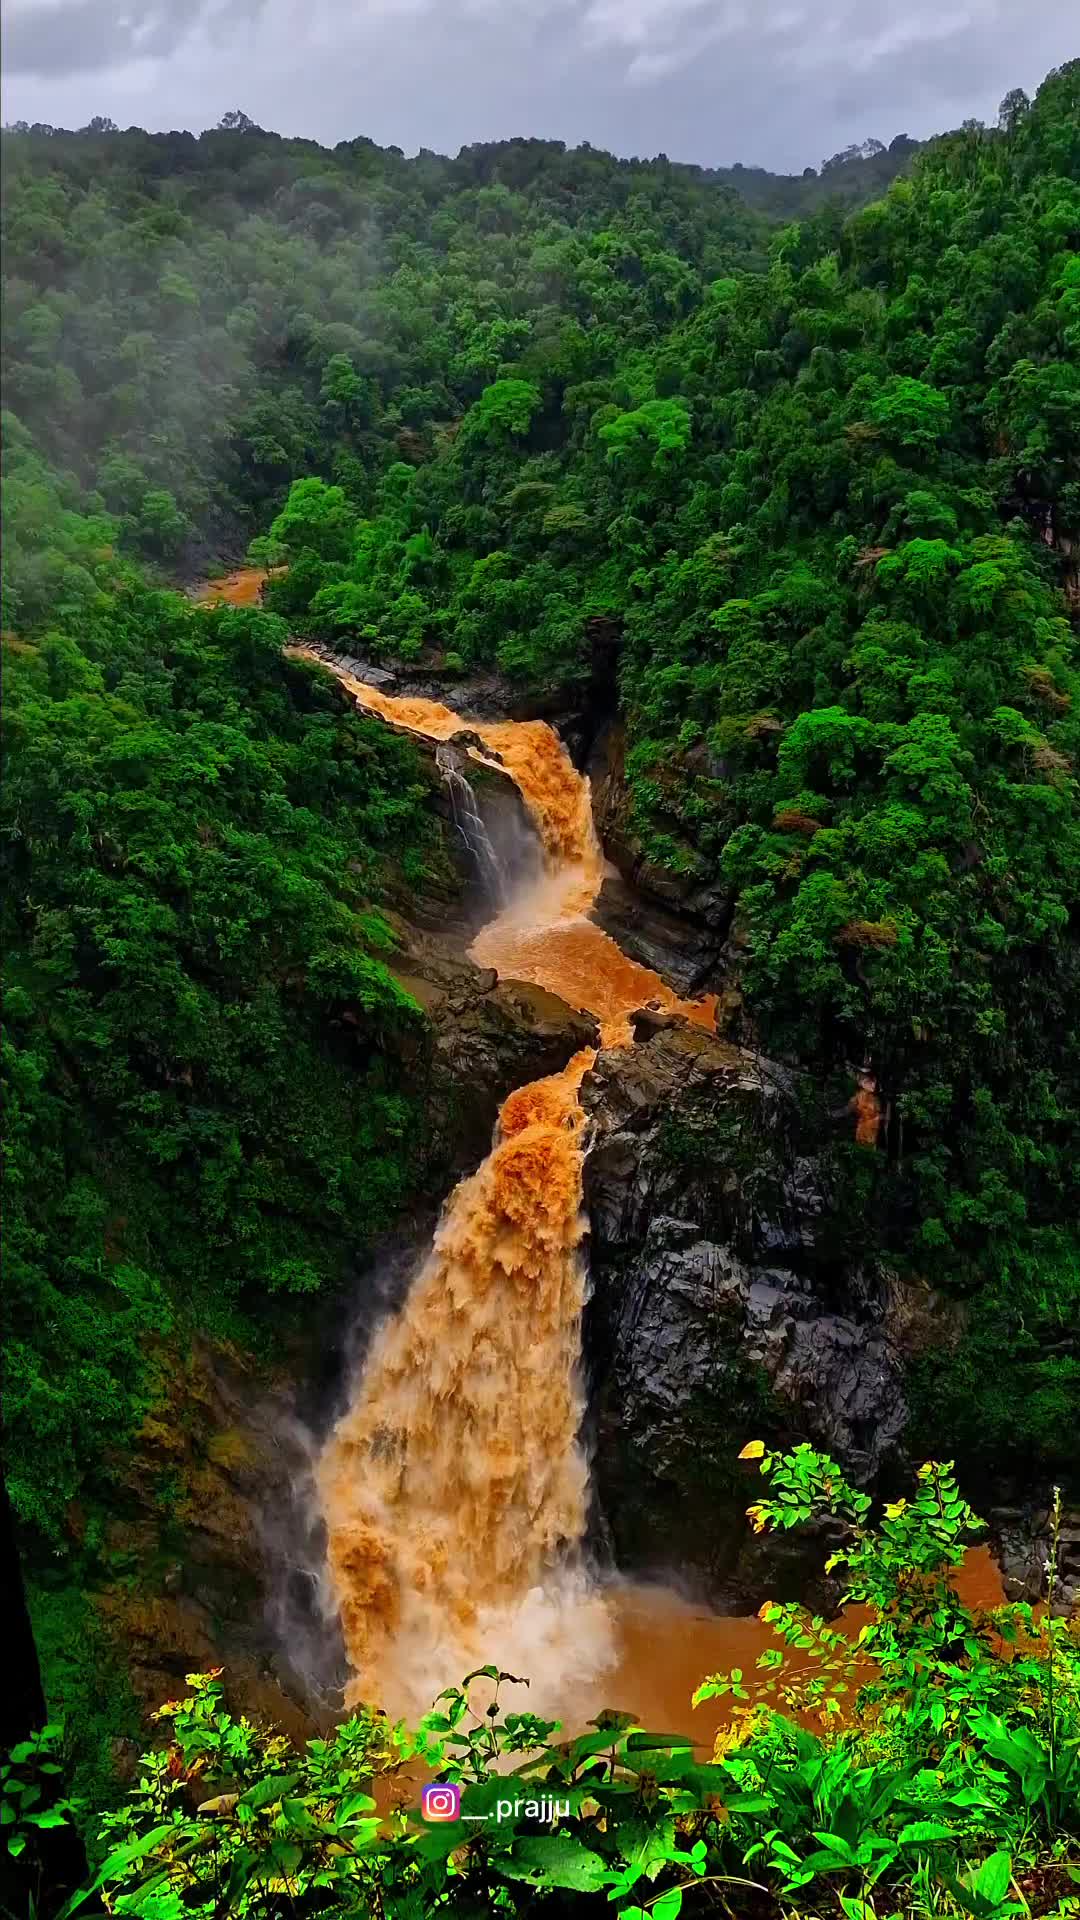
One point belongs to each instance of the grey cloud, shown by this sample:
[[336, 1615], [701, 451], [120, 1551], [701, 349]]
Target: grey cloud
[[778, 83], [81, 35], [45, 37]]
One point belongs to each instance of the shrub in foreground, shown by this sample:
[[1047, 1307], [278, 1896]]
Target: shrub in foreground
[[929, 1764]]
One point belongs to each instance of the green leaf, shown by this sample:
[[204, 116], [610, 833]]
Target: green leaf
[[702, 1776], [354, 1803], [921, 1831], [558, 1860], [589, 1744], [992, 1879], [241, 1868], [135, 1850], [835, 1843], [610, 1720], [299, 1816], [265, 1792], [493, 1673], [669, 1905]]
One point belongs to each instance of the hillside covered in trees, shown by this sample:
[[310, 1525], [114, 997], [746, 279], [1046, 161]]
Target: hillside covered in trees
[[831, 507], [191, 326], [193, 323], [806, 454]]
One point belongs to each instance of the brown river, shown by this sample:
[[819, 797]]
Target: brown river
[[454, 1488]]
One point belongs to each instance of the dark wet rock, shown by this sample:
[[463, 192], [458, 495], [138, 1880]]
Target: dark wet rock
[[456, 899], [1021, 1535], [725, 1307], [509, 852], [578, 710], [677, 923], [212, 1466], [484, 695], [381, 678], [487, 1037], [652, 1018], [679, 949]]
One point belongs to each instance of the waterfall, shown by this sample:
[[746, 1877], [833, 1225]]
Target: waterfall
[[469, 822], [454, 1488]]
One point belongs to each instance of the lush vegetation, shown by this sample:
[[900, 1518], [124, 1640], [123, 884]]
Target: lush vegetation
[[196, 830], [833, 508], [810, 467], [192, 323], [822, 479], [929, 1766], [206, 1103]]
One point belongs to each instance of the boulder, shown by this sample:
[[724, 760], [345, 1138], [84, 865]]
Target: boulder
[[1022, 1535], [381, 678]]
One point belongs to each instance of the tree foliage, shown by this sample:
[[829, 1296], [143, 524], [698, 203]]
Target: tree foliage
[[207, 1101], [808, 455]]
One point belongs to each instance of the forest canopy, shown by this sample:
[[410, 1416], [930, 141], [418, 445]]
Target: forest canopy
[[808, 454], [780, 478]]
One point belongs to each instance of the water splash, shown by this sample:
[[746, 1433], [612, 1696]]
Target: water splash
[[454, 1487]]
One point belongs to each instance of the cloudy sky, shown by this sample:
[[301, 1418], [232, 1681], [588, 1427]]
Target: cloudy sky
[[777, 83]]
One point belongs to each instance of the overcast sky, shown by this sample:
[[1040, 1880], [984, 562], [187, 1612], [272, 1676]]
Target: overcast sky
[[776, 83]]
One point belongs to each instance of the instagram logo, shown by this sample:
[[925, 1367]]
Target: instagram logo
[[440, 1801]]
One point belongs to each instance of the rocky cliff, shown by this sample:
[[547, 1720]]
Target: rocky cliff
[[457, 896], [726, 1303], [673, 922]]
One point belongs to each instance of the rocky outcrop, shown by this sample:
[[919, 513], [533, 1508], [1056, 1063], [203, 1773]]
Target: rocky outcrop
[[487, 1036], [579, 708], [458, 899], [486, 694], [210, 1470], [685, 953], [1022, 1536], [725, 1305], [672, 922]]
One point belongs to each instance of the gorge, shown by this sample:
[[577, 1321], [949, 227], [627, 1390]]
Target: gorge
[[454, 1488]]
